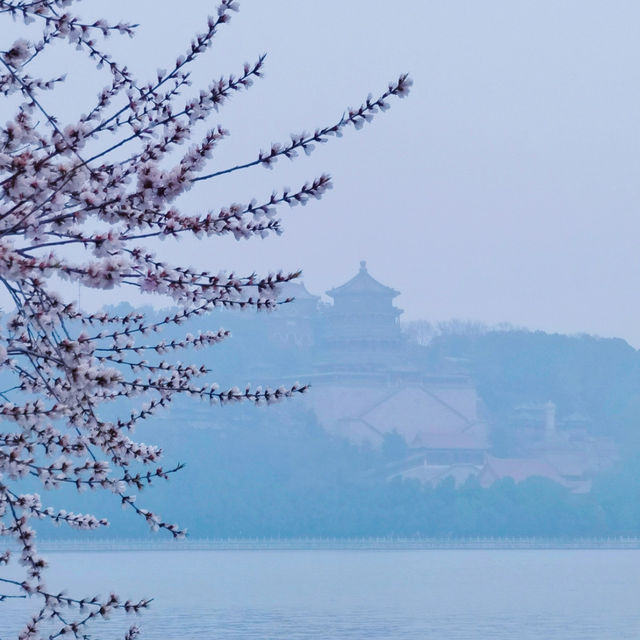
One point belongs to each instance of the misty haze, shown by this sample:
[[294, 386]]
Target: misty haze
[[410, 410]]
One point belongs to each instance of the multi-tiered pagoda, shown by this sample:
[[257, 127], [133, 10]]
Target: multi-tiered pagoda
[[370, 382]]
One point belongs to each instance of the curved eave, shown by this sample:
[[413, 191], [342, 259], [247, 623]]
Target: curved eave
[[363, 284]]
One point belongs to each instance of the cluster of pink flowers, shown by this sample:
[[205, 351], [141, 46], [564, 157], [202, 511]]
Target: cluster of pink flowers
[[84, 217]]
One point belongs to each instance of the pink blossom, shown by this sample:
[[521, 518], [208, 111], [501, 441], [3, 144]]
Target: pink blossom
[[79, 202]]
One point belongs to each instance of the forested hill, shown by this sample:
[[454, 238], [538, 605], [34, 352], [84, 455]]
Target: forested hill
[[595, 378], [598, 378], [274, 471]]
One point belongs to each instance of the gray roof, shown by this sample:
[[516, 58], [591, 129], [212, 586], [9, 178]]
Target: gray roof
[[363, 284], [296, 290]]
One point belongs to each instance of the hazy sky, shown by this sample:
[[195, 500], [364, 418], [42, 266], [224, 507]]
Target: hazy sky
[[505, 188]]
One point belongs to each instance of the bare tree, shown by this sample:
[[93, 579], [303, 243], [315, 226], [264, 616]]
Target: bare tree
[[420, 331], [80, 202]]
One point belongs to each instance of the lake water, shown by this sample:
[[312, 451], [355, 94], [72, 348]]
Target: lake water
[[408, 595]]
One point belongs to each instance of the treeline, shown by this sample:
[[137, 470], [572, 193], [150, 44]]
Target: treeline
[[596, 378]]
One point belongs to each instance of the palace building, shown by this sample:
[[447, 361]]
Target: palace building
[[372, 385], [370, 382]]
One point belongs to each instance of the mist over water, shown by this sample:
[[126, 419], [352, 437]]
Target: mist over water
[[349, 595]]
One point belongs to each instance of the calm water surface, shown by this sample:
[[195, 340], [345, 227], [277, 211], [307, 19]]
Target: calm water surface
[[408, 595]]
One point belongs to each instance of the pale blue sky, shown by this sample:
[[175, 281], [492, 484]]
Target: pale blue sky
[[505, 188]]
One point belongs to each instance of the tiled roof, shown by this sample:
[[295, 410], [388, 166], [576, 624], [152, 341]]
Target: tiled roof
[[363, 284], [470, 439], [296, 290], [520, 469]]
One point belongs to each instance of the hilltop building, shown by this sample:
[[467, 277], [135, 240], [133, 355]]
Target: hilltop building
[[373, 385], [371, 382], [294, 324], [361, 327]]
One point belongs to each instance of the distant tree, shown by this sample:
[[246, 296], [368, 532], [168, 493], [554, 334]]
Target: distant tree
[[458, 327], [423, 331], [420, 331], [80, 202], [394, 446]]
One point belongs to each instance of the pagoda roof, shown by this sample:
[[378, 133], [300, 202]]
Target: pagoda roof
[[296, 290], [363, 284]]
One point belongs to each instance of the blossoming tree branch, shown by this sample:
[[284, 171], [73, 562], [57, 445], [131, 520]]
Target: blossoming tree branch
[[81, 202]]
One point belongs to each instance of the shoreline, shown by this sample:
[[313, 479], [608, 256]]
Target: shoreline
[[339, 544]]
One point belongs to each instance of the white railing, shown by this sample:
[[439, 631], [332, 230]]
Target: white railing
[[235, 544]]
